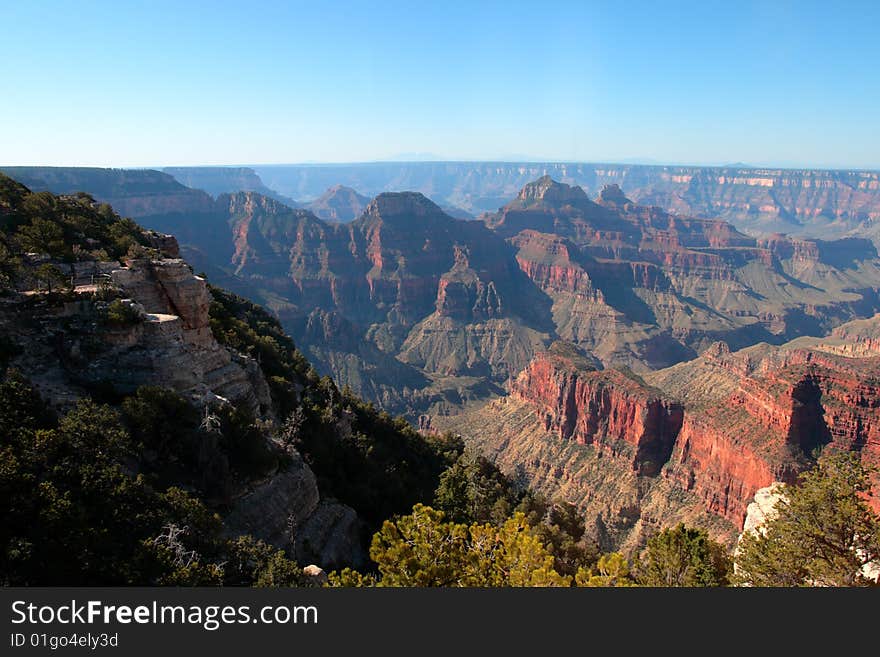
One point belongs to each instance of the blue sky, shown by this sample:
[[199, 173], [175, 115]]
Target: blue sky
[[127, 83]]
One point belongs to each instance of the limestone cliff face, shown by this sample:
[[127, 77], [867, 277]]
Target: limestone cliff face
[[622, 508], [763, 429], [552, 262], [719, 467], [771, 408]]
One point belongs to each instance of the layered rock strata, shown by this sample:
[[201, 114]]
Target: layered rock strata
[[696, 440]]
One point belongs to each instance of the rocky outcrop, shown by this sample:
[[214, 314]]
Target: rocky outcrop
[[331, 536], [273, 510], [174, 345], [166, 245], [545, 189], [763, 509], [287, 512], [316, 575], [168, 287], [166, 341], [463, 295], [467, 298]]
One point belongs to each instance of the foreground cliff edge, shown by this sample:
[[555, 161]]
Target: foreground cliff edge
[[175, 395]]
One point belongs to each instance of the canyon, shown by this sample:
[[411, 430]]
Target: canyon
[[423, 313], [647, 366]]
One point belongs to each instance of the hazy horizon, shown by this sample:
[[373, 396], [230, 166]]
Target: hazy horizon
[[392, 160]]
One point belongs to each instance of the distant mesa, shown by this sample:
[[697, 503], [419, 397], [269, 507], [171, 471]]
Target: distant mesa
[[409, 204], [613, 195], [547, 190], [339, 204]]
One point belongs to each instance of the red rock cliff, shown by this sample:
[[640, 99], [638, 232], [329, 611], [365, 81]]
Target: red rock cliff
[[602, 408], [758, 418]]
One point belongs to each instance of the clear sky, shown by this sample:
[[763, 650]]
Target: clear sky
[[125, 83]]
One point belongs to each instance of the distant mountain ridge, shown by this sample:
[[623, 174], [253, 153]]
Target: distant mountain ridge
[[818, 203], [225, 180], [810, 202]]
